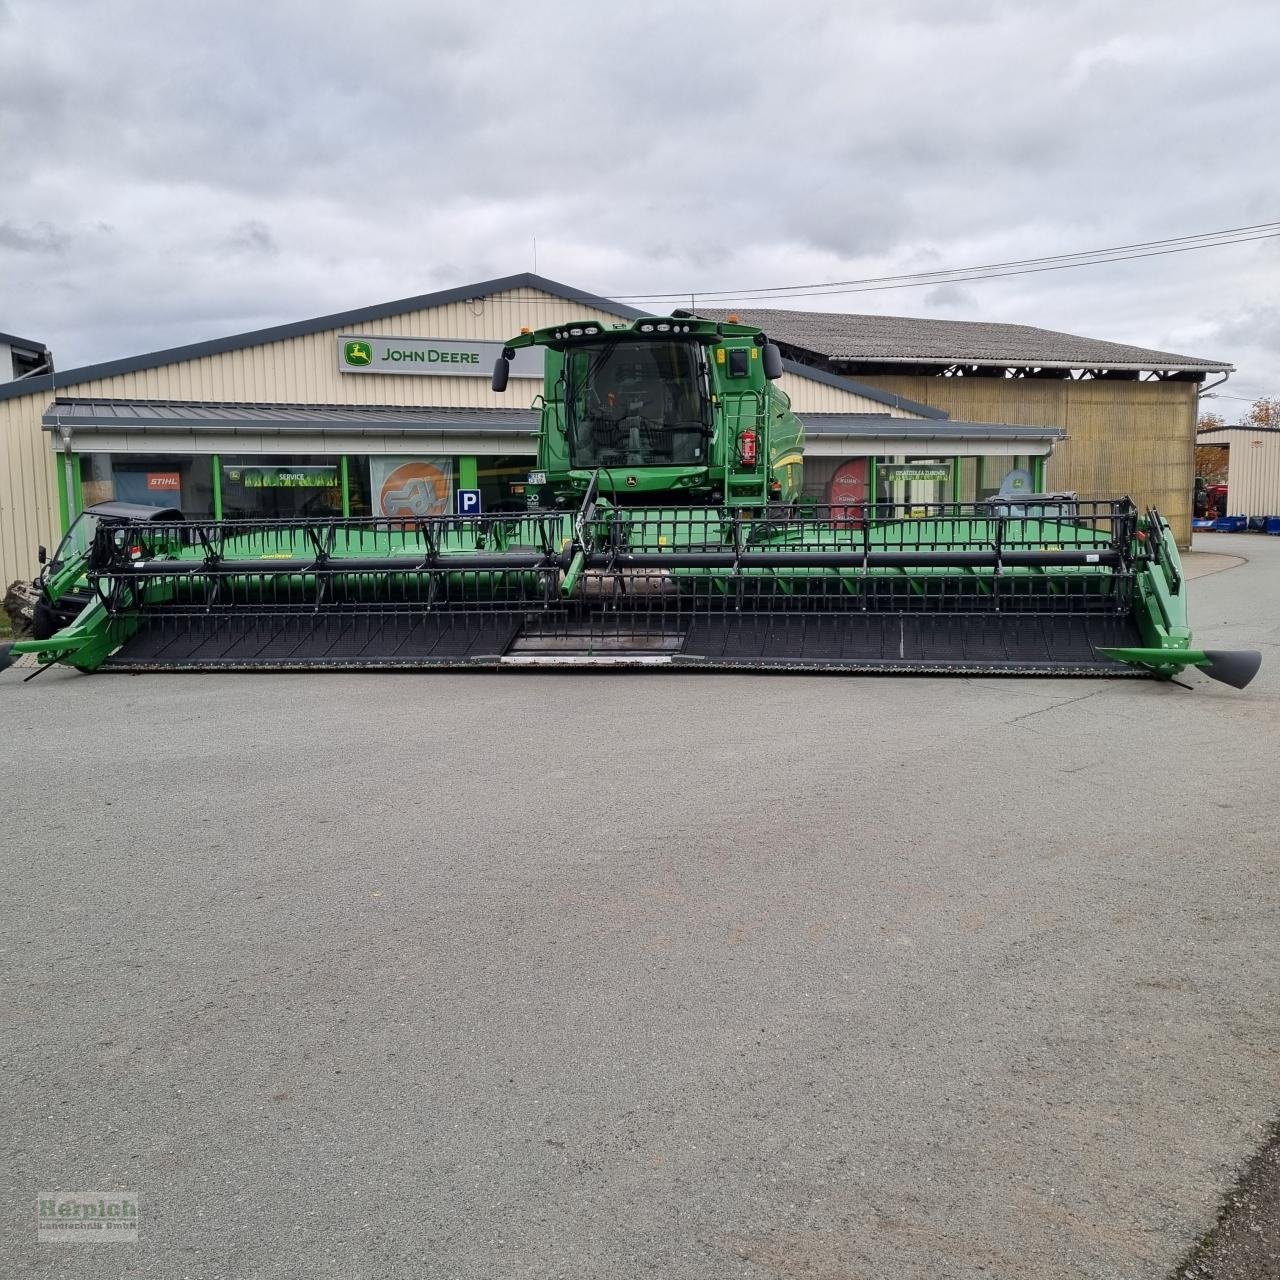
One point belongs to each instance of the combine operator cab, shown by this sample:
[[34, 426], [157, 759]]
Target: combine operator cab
[[667, 411], [636, 404]]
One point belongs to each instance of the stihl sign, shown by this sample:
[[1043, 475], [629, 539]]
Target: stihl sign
[[164, 481]]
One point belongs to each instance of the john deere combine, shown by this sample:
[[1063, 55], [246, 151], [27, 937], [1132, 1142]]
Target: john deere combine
[[668, 528]]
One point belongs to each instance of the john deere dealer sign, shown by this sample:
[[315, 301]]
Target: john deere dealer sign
[[442, 357]]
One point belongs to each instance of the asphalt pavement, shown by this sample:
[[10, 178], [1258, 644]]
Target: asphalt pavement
[[623, 975]]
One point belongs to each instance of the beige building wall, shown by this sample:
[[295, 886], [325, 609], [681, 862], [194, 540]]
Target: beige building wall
[[28, 487], [1253, 470], [810, 396], [304, 370], [1135, 438]]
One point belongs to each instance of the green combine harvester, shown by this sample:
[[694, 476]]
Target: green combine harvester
[[667, 528]]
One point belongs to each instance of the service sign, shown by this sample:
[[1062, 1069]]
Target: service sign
[[327, 477], [439, 357]]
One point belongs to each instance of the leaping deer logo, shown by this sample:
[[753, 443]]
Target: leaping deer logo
[[359, 353]]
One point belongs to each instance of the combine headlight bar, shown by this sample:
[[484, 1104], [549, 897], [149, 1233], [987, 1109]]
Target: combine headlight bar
[[577, 331], [663, 326]]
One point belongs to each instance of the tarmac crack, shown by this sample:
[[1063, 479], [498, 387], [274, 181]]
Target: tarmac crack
[[1039, 711]]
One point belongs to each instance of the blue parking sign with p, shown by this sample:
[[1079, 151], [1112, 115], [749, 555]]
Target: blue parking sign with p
[[468, 502]]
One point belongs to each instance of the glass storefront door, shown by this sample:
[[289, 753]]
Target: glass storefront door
[[1013, 474], [503, 481]]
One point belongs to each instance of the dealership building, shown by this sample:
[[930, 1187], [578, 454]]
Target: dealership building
[[388, 410]]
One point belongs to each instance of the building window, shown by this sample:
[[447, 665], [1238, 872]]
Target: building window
[[280, 488], [1014, 473], [915, 483], [503, 482], [149, 479], [818, 472], [401, 484]]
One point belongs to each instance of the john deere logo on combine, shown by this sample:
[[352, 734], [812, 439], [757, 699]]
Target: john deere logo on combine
[[358, 353]]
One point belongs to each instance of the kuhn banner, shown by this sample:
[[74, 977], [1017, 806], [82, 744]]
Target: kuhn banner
[[411, 486]]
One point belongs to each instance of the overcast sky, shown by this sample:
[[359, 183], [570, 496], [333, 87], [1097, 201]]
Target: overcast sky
[[178, 171]]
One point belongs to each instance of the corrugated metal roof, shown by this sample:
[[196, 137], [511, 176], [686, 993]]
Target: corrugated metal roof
[[165, 416], [919, 340], [1203, 437], [872, 426]]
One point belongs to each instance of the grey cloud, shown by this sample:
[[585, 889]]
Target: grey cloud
[[252, 236], [1255, 325], [951, 297], [442, 274], [262, 163], [1252, 337], [38, 238]]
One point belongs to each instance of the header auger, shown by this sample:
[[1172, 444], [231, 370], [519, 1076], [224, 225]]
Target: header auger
[[668, 531]]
